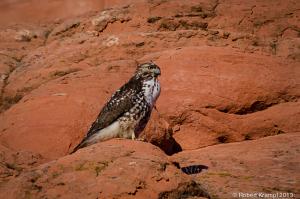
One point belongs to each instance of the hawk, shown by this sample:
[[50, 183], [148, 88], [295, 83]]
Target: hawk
[[126, 114]]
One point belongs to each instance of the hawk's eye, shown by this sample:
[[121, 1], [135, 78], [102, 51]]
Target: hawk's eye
[[150, 67]]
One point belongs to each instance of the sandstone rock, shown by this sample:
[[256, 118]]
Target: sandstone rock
[[159, 133], [230, 88], [101, 21], [13, 163], [111, 41], [25, 35], [229, 74], [267, 165], [58, 122], [46, 11], [116, 168], [222, 106], [67, 25]]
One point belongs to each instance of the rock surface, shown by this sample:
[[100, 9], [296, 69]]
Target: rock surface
[[112, 169], [268, 165], [230, 73]]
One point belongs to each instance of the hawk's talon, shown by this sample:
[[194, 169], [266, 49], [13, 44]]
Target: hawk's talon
[[141, 139]]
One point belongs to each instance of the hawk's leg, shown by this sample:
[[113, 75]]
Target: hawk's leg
[[132, 135]]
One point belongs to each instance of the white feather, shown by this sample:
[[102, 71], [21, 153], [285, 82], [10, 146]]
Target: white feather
[[151, 90], [112, 131]]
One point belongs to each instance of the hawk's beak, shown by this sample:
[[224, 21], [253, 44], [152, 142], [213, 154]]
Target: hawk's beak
[[157, 72]]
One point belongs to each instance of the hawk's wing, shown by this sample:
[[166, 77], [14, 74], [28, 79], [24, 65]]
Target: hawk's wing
[[121, 102]]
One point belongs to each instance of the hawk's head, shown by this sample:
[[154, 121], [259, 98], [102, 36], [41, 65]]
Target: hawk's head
[[149, 69]]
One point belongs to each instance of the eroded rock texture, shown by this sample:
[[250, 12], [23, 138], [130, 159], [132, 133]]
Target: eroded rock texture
[[230, 73]]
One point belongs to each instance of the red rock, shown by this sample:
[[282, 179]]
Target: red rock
[[56, 116], [194, 84], [229, 74], [116, 168], [267, 165], [159, 133], [36, 11], [12, 164]]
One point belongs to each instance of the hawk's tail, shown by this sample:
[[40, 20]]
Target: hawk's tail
[[82, 144]]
